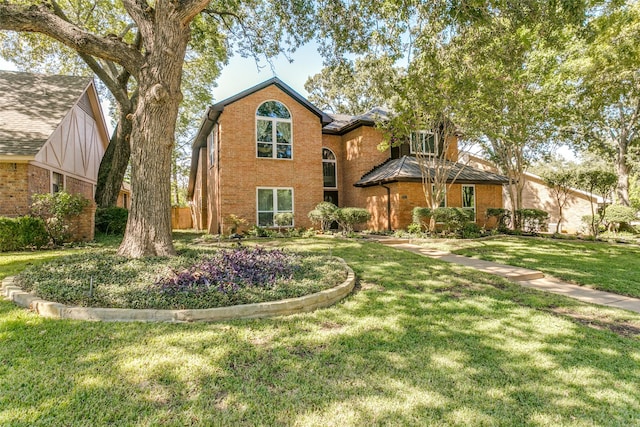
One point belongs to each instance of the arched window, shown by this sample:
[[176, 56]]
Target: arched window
[[273, 131], [329, 169]]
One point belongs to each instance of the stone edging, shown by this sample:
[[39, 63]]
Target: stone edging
[[245, 311]]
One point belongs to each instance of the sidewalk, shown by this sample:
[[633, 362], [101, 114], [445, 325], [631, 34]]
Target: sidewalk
[[525, 277]]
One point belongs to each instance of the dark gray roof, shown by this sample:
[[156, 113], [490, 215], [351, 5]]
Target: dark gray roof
[[32, 106], [343, 123], [407, 168]]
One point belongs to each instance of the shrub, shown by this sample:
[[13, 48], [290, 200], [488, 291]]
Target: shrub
[[532, 220], [112, 220], [454, 219], [235, 222], [414, 228], [421, 216], [347, 218], [470, 230], [502, 216], [323, 215], [615, 215], [21, 233], [283, 219], [57, 211]]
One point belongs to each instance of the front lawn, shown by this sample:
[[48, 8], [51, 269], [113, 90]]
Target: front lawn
[[420, 342], [604, 266]]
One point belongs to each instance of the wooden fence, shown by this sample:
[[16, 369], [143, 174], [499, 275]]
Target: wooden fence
[[181, 218]]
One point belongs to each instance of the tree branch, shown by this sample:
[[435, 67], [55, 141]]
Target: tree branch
[[188, 9], [41, 19]]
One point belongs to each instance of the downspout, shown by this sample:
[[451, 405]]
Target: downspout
[[388, 205]]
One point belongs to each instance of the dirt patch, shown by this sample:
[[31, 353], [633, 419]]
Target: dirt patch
[[624, 329]]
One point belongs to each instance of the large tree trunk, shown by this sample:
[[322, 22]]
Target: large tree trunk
[[114, 163], [622, 170], [149, 226]]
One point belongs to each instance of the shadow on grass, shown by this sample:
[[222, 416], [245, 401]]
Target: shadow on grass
[[423, 343]]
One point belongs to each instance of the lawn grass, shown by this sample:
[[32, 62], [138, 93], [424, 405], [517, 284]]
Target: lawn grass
[[604, 266], [419, 343]]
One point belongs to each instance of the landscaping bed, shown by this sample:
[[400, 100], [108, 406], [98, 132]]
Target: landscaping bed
[[195, 279]]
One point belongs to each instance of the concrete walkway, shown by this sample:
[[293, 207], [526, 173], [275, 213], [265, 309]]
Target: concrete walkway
[[523, 276]]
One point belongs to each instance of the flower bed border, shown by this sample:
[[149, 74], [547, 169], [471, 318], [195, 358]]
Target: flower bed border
[[284, 307]]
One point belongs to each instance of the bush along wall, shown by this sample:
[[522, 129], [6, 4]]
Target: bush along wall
[[532, 220], [112, 220], [24, 232]]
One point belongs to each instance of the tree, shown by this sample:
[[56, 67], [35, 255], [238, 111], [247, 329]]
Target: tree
[[560, 183], [604, 68], [601, 182], [165, 29]]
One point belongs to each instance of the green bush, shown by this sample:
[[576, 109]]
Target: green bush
[[502, 216], [615, 215], [347, 218], [323, 215], [454, 219], [57, 211], [414, 228], [283, 219], [532, 220], [470, 230], [111, 220], [22, 233], [421, 216]]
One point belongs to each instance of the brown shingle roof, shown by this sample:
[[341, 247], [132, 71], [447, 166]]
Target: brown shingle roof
[[407, 168], [32, 106]]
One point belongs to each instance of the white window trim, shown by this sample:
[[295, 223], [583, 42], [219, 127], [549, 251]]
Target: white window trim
[[64, 181], [423, 132], [275, 205], [445, 194], [335, 162], [274, 143], [475, 205]]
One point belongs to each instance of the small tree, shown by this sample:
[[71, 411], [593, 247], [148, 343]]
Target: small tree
[[323, 214], [602, 182], [619, 214], [560, 183], [349, 217], [235, 222], [283, 219], [57, 211]]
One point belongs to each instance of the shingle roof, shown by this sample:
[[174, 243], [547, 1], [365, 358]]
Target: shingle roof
[[343, 123], [31, 108], [407, 168]]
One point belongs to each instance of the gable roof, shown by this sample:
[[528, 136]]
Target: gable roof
[[343, 123], [32, 106], [406, 168]]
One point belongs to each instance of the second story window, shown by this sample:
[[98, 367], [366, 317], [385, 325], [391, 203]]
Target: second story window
[[425, 143], [329, 169], [273, 131]]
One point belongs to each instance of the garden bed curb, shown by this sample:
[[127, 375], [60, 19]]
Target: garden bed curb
[[245, 311]]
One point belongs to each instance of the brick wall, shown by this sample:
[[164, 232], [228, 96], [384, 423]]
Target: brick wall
[[241, 172], [83, 227], [334, 143], [39, 180], [14, 189]]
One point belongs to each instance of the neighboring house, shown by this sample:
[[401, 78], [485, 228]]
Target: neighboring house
[[52, 137], [537, 195], [268, 150]]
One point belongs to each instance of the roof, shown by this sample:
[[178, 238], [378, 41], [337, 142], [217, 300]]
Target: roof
[[407, 168], [32, 106], [343, 123]]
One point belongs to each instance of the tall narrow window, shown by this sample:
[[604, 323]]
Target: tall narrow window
[[211, 142], [273, 131], [469, 199], [272, 201], [329, 169], [57, 182]]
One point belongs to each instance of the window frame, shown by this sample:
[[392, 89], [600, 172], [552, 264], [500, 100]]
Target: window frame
[[335, 168], [274, 131], [275, 206], [424, 132], [61, 186], [211, 147], [475, 204]]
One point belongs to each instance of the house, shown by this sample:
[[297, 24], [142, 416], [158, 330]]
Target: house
[[52, 137], [537, 195], [267, 150]]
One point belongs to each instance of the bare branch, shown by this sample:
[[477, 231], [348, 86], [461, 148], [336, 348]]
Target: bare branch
[[41, 19]]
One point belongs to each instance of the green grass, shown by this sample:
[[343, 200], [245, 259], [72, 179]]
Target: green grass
[[419, 343], [604, 266]]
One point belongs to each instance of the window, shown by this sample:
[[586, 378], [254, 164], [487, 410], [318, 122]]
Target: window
[[57, 182], [423, 142], [272, 201], [329, 169], [273, 131], [469, 199], [443, 203], [211, 142]]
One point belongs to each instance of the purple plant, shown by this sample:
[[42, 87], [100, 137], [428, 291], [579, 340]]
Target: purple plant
[[230, 270]]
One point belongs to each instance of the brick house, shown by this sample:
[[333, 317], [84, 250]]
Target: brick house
[[268, 150], [52, 137]]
